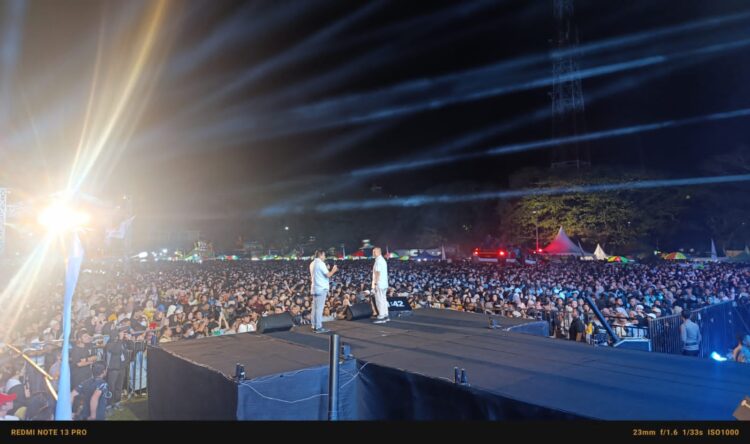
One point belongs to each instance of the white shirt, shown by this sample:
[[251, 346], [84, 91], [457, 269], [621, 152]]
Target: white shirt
[[245, 328], [319, 273], [381, 266]]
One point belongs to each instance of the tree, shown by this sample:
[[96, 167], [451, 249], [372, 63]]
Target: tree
[[718, 210], [615, 218]]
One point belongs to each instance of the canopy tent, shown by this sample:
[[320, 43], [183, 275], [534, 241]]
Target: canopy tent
[[618, 259], [599, 253], [563, 246], [677, 256]]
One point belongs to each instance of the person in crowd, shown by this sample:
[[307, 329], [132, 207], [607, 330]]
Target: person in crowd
[[690, 335], [165, 335], [737, 354], [744, 354], [6, 405], [89, 398], [577, 331], [82, 356], [117, 362], [246, 325]]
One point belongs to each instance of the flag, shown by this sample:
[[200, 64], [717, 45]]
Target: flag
[[63, 409], [714, 256], [121, 231]]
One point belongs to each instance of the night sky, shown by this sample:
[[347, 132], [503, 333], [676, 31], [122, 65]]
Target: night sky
[[248, 106]]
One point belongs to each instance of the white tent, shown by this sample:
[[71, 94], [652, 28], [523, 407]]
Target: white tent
[[599, 253]]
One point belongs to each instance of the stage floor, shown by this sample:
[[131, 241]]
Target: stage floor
[[575, 379]]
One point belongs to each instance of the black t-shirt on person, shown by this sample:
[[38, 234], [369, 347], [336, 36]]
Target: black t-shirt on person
[[79, 374], [118, 354], [86, 390]]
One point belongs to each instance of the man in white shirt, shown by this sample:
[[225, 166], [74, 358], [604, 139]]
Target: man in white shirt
[[246, 326], [319, 286], [380, 285]]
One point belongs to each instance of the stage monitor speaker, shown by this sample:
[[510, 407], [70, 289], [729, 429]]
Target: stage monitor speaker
[[398, 303], [743, 410], [358, 311], [275, 322]]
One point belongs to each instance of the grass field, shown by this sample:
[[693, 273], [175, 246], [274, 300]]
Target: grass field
[[135, 409]]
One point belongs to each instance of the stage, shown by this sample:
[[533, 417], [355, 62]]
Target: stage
[[404, 370]]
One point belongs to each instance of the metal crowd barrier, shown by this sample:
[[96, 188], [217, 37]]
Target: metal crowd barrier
[[42, 394], [719, 325], [135, 381]]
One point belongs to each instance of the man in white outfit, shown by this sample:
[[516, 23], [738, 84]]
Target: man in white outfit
[[319, 286], [380, 285]]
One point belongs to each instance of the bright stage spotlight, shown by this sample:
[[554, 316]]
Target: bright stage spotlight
[[60, 218]]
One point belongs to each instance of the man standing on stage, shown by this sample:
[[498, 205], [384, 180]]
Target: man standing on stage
[[380, 285], [319, 280]]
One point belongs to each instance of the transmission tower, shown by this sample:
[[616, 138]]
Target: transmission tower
[[567, 95]]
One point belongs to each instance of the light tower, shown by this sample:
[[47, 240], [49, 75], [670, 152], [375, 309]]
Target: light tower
[[3, 217], [7, 212], [567, 95]]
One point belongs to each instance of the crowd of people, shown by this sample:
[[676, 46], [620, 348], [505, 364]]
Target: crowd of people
[[165, 302]]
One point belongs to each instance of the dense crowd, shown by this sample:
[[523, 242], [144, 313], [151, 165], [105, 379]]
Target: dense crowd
[[164, 302]]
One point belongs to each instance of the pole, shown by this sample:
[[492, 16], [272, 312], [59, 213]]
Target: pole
[[598, 314], [63, 409], [140, 365], [333, 378]]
